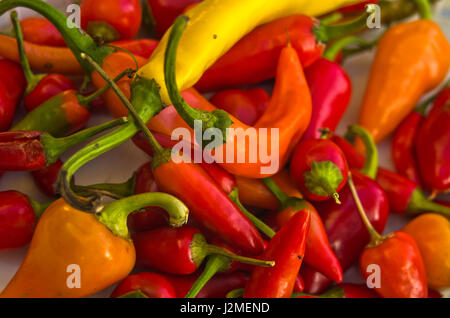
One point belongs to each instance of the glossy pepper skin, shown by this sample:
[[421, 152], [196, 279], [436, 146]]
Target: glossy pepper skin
[[433, 145], [46, 177], [111, 20], [331, 90], [165, 12], [41, 31], [319, 168], [7, 108], [287, 248], [345, 290], [21, 150], [432, 235], [12, 77], [77, 230], [246, 105], [151, 285], [411, 59], [17, 220]]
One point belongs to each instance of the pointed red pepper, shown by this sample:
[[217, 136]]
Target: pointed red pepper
[[144, 285]]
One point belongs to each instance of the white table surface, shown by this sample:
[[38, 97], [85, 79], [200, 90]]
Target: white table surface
[[118, 164]]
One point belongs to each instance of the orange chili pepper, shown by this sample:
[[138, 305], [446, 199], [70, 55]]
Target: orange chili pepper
[[412, 58], [98, 244], [432, 235]]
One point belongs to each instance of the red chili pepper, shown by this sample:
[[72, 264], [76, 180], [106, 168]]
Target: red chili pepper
[[357, 7], [331, 90], [33, 150], [152, 217], [402, 271], [179, 251], [164, 12], [46, 177], [254, 58], [287, 249], [7, 108], [144, 285], [246, 105], [40, 88], [141, 47], [217, 287], [111, 20], [319, 168], [318, 251], [11, 75], [18, 216], [404, 195], [344, 290], [433, 145], [346, 232], [41, 31]]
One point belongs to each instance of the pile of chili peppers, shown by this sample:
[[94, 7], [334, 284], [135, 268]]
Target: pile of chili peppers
[[214, 228]]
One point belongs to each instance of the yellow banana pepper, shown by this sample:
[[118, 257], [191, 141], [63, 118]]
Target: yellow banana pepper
[[215, 26]]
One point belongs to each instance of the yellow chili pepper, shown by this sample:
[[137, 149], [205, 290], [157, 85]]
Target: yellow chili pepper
[[215, 26]]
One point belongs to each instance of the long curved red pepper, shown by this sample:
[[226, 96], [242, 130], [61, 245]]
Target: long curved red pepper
[[144, 285], [287, 249]]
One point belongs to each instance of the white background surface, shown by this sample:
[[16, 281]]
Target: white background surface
[[118, 164]]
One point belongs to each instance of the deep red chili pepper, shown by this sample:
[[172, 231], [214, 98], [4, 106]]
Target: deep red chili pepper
[[41, 31], [11, 75], [178, 250], [319, 168], [141, 47], [144, 285], [331, 90], [346, 231], [404, 195], [357, 7], [152, 217], [254, 58], [433, 145], [318, 251], [217, 287], [18, 216], [7, 108], [40, 88], [344, 290], [164, 12], [287, 249], [46, 177], [111, 20], [246, 105], [434, 294], [33, 150]]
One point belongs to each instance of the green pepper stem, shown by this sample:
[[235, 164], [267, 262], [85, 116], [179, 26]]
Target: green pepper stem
[[236, 293], [419, 203], [375, 237], [39, 208], [327, 33], [55, 147], [332, 18], [370, 168], [32, 79], [112, 190], [76, 39], [277, 192], [335, 48], [424, 9], [334, 292], [422, 108], [215, 264], [260, 225], [215, 250], [114, 215], [216, 119]]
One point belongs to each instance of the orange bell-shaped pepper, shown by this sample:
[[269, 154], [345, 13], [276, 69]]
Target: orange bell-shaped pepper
[[68, 241], [412, 58]]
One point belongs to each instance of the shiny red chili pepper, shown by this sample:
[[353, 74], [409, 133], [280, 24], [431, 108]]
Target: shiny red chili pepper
[[164, 12], [246, 105], [18, 216], [46, 177], [404, 195], [40, 88], [344, 290], [287, 249], [217, 287], [319, 168], [357, 7], [144, 285], [141, 47], [331, 90], [254, 58], [111, 20], [178, 250], [7, 108], [11, 75], [41, 31], [433, 145], [152, 217]]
